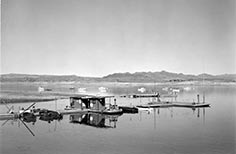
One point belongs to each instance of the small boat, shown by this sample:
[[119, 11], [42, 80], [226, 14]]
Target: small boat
[[28, 117], [127, 109], [50, 114]]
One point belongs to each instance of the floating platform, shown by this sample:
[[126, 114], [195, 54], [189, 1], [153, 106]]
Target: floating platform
[[148, 95], [140, 95], [173, 104], [144, 95], [157, 105], [190, 105]]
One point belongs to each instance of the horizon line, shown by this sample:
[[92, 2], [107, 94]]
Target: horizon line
[[117, 73]]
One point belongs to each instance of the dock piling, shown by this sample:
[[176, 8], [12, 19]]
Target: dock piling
[[203, 98], [198, 101]]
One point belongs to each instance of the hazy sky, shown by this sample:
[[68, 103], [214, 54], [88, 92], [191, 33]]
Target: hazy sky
[[99, 37]]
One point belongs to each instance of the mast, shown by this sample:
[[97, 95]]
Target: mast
[[203, 82]]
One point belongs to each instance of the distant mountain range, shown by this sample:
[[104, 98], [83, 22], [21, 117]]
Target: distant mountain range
[[162, 76]]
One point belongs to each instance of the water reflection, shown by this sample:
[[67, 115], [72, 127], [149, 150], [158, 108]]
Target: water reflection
[[98, 120], [163, 130], [95, 120], [172, 113], [30, 118]]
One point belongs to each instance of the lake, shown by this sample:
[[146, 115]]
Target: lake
[[160, 130]]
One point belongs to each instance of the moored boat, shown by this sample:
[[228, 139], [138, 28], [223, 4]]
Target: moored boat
[[127, 109]]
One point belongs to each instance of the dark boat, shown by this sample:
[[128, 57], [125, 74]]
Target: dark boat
[[49, 115], [127, 109], [28, 117]]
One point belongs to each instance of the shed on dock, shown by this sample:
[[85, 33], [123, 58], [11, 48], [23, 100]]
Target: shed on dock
[[92, 103]]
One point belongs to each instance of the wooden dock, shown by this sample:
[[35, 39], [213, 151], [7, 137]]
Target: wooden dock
[[148, 95], [8, 116], [156, 105], [190, 105], [140, 95], [173, 104]]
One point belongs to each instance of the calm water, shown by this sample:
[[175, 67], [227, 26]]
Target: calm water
[[165, 130]]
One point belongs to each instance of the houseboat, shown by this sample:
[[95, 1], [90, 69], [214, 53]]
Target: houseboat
[[96, 104]]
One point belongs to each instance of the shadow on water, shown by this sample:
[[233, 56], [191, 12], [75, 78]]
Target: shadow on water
[[29, 118], [95, 120]]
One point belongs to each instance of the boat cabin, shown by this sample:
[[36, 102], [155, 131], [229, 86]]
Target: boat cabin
[[92, 103]]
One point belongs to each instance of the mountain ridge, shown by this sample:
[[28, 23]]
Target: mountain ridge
[[162, 76]]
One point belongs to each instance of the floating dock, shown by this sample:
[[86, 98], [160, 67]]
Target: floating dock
[[190, 105], [156, 105], [173, 104], [148, 95], [176, 104], [140, 95], [7, 116]]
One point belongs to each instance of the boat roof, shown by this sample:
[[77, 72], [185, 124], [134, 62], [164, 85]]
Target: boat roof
[[90, 97]]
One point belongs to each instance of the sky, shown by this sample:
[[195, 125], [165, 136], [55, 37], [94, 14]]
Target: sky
[[100, 37]]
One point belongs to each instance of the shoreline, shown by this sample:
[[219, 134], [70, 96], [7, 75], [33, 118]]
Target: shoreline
[[25, 97], [24, 100], [20, 92], [195, 83]]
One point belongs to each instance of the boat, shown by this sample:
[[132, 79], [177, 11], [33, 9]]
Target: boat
[[127, 109], [28, 117], [95, 104], [50, 114]]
